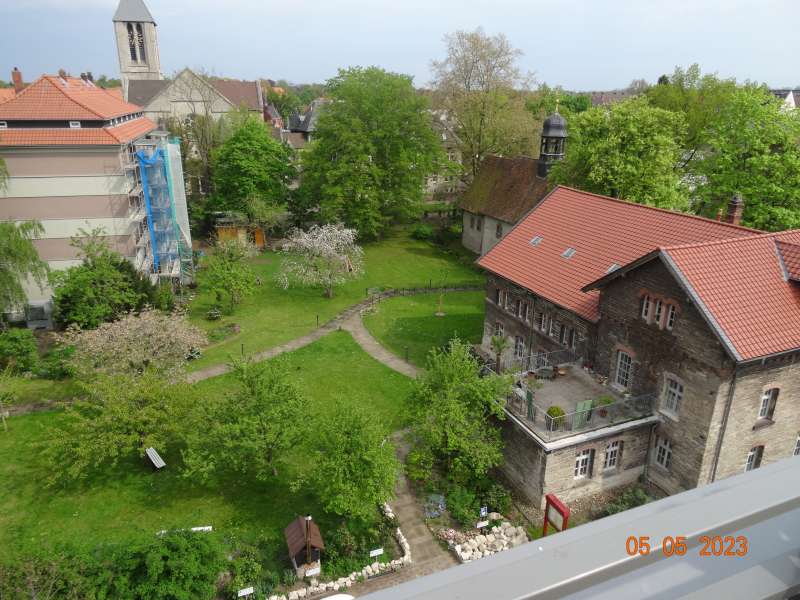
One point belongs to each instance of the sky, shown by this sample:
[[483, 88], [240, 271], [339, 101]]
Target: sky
[[579, 45]]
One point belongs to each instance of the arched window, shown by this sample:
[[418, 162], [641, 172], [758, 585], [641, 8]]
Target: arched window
[[140, 40], [132, 42]]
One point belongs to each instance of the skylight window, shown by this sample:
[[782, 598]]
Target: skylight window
[[612, 268], [568, 252], [3, 125], [537, 240], [74, 124]]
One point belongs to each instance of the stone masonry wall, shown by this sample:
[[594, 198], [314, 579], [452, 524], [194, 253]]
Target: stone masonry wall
[[524, 460], [690, 353]]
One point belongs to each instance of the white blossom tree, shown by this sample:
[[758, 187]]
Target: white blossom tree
[[324, 256], [150, 341]]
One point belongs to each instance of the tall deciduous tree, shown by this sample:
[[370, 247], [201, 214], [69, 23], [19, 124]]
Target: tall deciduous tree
[[372, 150], [452, 411], [251, 164], [117, 417], [248, 432], [18, 260], [226, 272], [479, 86], [751, 146], [354, 467], [629, 150], [324, 256]]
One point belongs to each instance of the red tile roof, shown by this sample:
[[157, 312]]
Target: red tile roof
[[790, 255], [603, 231], [741, 284], [105, 136], [239, 92], [53, 98], [6, 94]]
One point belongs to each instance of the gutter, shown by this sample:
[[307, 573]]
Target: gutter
[[723, 425]]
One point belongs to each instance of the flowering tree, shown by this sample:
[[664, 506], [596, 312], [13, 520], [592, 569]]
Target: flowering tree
[[150, 341], [326, 256]]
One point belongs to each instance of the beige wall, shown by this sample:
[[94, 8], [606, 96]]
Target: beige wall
[[63, 207], [22, 162], [58, 249], [483, 240], [471, 238], [151, 67]]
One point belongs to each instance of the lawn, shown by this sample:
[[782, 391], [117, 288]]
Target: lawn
[[409, 322], [41, 390], [131, 500], [273, 315]]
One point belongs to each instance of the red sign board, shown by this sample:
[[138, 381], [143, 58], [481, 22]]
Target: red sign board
[[556, 514]]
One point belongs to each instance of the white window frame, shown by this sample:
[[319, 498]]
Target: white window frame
[[498, 297], [524, 310], [499, 329], [663, 454], [498, 231], [582, 464], [519, 347], [754, 458], [672, 314], [769, 401], [568, 253], [672, 396], [3, 124], [611, 459], [626, 381], [541, 321], [536, 240], [74, 124], [658, 311], [645, 307], [555, 334]]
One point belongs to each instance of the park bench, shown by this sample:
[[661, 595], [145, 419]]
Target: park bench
[[155, 459]]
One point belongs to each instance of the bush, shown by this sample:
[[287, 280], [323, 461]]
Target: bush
[[630, 498], [18, 350], [56, 365], [557, 414], [419, 465], [245, 570], [423, 231], [164, 299], [497, 498], [463, 506]]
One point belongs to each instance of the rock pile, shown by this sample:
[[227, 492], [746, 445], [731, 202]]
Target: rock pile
[[376, 568], [500, 537]]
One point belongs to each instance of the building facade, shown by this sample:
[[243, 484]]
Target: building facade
[[80, 159], [628, 320]]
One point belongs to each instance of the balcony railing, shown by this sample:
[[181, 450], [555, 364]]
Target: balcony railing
[[588, 417]]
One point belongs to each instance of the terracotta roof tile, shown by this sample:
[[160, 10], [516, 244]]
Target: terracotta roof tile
[[790, 255], [603, 231], [106, 136], [51, 98], [505, 188], [6, 94]]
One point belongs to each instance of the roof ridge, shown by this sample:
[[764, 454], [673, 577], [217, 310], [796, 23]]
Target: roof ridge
[[656, 208], [50, 78], [762, 235]]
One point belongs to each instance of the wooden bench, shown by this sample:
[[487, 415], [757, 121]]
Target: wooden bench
[[155, 459]]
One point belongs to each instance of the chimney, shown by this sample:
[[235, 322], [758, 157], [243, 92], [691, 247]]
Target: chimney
[[735, 208], [62, 73], [16, 77], [83, 76], [89, 76]]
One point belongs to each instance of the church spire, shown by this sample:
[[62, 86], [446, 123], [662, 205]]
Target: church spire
[[137, 45], [554, 136]]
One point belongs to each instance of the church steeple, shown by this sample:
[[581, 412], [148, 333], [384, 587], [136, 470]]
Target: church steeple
[[554, 137], [137, 45]]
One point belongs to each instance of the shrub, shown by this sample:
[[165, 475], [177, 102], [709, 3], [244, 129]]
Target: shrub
[[604, 400], [630, 498], [246, 570], [18, 350], [497, 498], [56, 365], [557, 414], [422, 231], [163, 298], [419, 465], [463, 505], [289, 577]]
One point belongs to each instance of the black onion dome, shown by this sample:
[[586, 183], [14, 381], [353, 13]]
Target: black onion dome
[[555, 126]]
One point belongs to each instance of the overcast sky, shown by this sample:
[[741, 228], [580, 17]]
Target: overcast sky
[[580, 44]]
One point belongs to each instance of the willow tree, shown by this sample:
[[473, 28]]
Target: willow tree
[[18, 261]]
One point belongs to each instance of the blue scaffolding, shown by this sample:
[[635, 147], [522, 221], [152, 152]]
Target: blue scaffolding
[[162, 221]]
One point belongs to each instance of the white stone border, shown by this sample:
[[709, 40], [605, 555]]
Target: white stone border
[[501, 537], [376, 568]]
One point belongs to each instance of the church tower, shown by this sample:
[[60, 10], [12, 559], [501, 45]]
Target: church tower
[[554, 137], [137, 45]]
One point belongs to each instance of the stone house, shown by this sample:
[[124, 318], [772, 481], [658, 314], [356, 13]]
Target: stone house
[[445, 186], [672, 338], [505, 189]]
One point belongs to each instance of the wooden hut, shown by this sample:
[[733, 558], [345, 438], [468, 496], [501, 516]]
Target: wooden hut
[[304, 542]]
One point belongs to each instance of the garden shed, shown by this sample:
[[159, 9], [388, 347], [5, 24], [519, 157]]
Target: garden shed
[[304, 542]]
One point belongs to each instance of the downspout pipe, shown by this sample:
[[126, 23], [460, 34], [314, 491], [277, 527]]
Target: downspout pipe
[[723, 425]]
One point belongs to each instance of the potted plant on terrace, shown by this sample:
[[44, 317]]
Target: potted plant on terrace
[[556, 414], [601, 403]]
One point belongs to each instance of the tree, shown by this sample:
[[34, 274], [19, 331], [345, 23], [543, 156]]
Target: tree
[[18, 260], [354, 467], [119, 416], [18, 350], [453, 410], [373, 149], [107, 82], [251, 165], [629, 150], [499, 345], [101, 289], [546, 100], [150, 341], [227, 272], [751, 146], [478, 85], [324, 256], [251, 431]]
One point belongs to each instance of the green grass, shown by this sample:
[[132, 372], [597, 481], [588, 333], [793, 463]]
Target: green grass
[[273, 315], [409, 322], [130, 500], [31, 391]]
